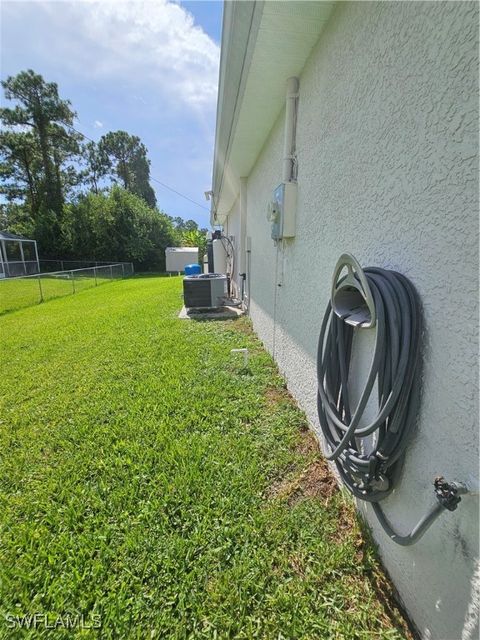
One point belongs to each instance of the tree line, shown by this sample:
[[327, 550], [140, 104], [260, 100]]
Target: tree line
[[78, 198]]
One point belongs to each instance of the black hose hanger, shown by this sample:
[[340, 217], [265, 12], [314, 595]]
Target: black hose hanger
[[387, 300]]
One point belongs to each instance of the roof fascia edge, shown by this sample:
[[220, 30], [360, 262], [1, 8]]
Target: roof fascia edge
[[257, 7]]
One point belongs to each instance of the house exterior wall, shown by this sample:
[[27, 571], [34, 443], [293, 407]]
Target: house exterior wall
[[387, 170]]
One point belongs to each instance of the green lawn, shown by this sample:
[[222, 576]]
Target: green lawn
[[149, 480], [17, 293]]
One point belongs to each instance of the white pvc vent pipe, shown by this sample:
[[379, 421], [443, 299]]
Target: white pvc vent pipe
[[289, 147]]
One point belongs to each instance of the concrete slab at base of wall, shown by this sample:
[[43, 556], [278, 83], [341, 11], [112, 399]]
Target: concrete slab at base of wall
[[222, 313]]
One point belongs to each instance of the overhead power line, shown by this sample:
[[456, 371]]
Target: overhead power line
[[178, 193], [166, 186]]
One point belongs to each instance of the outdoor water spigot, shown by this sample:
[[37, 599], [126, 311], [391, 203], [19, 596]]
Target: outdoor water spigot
[[351, 297]]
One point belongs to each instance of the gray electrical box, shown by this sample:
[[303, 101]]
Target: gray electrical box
[[282, 211]]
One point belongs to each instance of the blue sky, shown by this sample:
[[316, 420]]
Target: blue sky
[[147, 67]]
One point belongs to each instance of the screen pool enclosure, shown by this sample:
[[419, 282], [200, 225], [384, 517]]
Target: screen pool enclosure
[[18, 255]]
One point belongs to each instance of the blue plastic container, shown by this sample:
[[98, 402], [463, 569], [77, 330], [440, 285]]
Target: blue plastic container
[[192, 269]]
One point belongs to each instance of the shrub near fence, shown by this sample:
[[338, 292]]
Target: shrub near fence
[[25, 291]]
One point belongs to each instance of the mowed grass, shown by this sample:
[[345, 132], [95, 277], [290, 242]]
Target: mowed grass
[[148, 479], [17, 293]]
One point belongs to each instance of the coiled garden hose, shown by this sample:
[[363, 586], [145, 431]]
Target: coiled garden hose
[[370, 468]]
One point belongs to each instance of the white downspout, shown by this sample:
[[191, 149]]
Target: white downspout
[[289, 176], [242, 249], [243, 223], [289, 149]]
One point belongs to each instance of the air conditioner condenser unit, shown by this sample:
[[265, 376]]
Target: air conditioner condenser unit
[[206, 290]]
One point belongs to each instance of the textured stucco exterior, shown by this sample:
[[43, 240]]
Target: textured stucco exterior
[[387, 141]]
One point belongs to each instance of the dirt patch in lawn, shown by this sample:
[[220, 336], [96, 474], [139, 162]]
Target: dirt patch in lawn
[[315, 481], [274, 395], [347, 526], [308, 444], [242, 325]]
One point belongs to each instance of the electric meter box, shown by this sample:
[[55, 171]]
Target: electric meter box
[[283, 211]]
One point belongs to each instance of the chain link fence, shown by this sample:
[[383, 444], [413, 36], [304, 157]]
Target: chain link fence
[[50, 265], [25, 291], [15, 268]]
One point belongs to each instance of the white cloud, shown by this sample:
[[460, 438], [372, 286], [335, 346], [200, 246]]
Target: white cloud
[[97, 124], [144, 67], [154, 40]]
